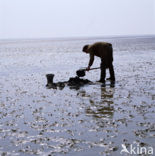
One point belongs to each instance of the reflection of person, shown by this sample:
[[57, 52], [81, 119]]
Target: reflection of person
[[103, 109], [107, 94], [105, 52], [107, 100]]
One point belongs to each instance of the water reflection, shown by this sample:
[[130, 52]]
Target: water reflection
[[104, 107]]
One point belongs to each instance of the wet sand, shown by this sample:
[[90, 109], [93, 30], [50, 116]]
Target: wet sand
[[91, 120]]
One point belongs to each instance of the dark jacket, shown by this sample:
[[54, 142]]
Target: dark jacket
[[103, 50]]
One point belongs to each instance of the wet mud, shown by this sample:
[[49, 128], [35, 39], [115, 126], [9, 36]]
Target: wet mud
[[91, 120]]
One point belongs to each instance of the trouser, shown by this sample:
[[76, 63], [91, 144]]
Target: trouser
[[104, 66]]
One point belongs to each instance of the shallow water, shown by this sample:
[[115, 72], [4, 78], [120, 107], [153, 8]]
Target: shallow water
[[92, 120]]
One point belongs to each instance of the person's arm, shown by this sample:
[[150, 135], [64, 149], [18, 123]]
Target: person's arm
[[91, 60]]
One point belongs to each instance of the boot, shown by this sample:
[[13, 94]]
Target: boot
[[101, 81], [111, 79], [102, 77]]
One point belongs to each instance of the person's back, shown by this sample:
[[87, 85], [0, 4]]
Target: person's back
[[103, 50], [99, 48]]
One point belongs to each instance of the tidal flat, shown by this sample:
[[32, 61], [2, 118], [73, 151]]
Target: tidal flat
[[91, 120]]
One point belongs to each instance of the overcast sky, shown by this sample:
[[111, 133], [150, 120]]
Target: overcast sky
[[75, 18]]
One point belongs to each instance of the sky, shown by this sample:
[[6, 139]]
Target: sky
[[75, 18]]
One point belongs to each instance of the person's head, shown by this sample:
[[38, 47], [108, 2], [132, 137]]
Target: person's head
[[85, 48]]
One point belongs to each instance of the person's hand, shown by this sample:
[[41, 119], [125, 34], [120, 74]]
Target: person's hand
[[88, 68]]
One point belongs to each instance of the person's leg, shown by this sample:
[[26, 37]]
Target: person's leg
[[110, 65], [112, 73], [103, 71]]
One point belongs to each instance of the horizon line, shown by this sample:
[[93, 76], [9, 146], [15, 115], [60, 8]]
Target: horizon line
[[77, 38]]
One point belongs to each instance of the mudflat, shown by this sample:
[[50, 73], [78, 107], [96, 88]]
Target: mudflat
[[91, 120]]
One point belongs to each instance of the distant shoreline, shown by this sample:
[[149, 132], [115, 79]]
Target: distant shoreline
[[21, 40]]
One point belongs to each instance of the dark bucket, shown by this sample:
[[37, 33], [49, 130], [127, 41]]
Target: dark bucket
[[50, 78], [80, 73]]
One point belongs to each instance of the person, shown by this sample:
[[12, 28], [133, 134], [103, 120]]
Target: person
[[103, 50]]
